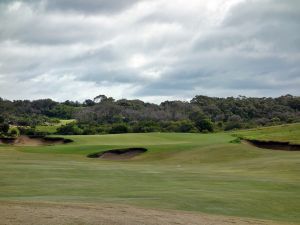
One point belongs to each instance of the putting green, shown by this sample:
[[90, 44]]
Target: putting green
[[192, 172]]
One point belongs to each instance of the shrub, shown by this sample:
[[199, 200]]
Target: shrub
[[14, 132], [233, 125], [186, 126], [202, 122], [146, 127], [236, 141], [89, 131], [119, 129], [4, 128], [70, 129], [30, 131]]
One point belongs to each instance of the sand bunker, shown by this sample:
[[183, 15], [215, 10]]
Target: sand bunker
[[118, 154], [274, 145], [34, 141]]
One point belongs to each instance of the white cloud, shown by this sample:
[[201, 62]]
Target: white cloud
[[137, 61]]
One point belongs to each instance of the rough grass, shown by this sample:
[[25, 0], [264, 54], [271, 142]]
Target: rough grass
[[287, 132], [52, 128], [193, 172]]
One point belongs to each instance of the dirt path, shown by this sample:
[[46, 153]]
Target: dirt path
[[18, 213]]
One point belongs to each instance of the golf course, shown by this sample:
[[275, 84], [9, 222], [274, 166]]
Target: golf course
[[179, 178]]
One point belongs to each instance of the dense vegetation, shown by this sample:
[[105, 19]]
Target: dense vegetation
[[107, 115]]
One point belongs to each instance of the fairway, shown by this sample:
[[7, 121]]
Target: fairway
[[199, 173]]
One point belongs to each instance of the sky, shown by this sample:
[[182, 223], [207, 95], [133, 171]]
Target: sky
[[153, 50]]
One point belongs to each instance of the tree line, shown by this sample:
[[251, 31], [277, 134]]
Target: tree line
[[104, 114]]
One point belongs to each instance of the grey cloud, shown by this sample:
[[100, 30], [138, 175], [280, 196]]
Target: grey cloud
[[90, 6], [162, 50], [274, 11], [270, 21], [81, 6], [235, 73]]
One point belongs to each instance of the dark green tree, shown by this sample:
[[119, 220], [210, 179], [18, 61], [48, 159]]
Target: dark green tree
[[4, 128], [202, 122], [119, 129], [89, 102], [69, 129]]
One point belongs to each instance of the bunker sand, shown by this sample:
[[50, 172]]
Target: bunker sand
[[36, 213], [119, 154], [34, 141], [273, 145]]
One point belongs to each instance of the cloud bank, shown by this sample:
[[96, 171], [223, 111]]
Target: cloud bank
[[152, 50]]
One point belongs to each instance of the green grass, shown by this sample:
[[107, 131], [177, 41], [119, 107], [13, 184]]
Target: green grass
[[194, 172], [52, 128], [287, 132]]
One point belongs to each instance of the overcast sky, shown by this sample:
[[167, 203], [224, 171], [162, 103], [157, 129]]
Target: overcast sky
[[153, 50]]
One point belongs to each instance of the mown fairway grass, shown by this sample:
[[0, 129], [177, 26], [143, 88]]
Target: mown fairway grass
[[194, 172]]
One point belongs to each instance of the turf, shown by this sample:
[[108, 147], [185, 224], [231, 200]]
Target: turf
[[193, 172], [286, 132]]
